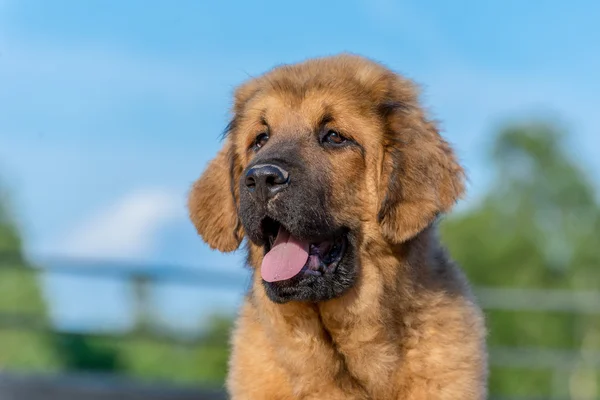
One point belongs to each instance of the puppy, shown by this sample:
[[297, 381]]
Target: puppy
[[334, 175]]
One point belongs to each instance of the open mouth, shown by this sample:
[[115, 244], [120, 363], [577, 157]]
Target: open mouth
[[287, 256]]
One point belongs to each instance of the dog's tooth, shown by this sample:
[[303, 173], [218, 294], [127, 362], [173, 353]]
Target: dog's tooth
[[314, 249], [313, 262]]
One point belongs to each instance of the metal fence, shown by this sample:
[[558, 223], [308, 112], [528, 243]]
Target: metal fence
[[57, 384]]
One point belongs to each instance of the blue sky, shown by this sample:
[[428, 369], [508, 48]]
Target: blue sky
[[110, 109]]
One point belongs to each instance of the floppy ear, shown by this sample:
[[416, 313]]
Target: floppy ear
[[420, 176], [212, 202]]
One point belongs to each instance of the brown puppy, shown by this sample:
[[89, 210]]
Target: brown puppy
[[335, 176]]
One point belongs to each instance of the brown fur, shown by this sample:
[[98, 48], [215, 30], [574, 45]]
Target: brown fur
[[408, 328]]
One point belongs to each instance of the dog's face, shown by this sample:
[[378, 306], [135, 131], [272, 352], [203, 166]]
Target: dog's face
[[320, 159]]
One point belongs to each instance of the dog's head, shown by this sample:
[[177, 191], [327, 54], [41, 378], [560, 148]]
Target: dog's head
[[319, 155]]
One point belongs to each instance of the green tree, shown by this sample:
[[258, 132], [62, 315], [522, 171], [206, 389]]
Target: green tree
[[20, 299], [538, 227], [202, 361]]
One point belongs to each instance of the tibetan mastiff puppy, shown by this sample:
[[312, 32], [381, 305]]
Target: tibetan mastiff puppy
[[335, 177]]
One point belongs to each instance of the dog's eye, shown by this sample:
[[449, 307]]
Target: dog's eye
[[334, 138], [260, 141]]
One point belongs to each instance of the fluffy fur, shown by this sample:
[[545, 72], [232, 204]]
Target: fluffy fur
[[402, 323]]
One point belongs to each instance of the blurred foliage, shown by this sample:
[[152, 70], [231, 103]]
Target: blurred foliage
[[10, 240], [27, 351], [20, 298], [147, 355], [81, 353], [538, 227], [202, 361]]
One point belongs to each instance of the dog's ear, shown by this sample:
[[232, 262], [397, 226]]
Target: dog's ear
[[421, 177], [213, 202], [214, 199]]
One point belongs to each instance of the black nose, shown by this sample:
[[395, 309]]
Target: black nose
[[264, 180]]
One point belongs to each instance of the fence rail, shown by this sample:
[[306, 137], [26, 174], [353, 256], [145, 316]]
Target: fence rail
[[511, 299]]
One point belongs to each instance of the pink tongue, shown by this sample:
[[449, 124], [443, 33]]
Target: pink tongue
[[286, 258]]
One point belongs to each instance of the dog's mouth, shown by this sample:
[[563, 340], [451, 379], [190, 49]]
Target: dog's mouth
[[287, 256]]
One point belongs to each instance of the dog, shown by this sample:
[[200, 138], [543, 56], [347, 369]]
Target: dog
[[335, 177]]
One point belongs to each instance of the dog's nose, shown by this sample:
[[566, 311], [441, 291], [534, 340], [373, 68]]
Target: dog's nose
[[265, 180]]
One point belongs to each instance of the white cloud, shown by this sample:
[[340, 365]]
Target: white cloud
[[127, 229]]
